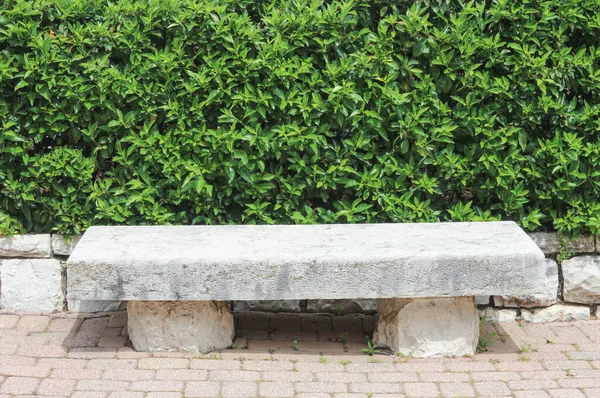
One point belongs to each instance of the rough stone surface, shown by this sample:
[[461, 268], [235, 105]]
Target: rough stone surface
[[363, 306], [31, 285], [267, 305], [557, 313], [549, 243], [93, 306], [62, 246], [292, 262], [31, 245], [482, 300], [425, 328], [496, 315], [549, 297], [198, 326], [582, 279]]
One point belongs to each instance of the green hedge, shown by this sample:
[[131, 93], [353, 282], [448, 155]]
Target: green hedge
[[299, 111]]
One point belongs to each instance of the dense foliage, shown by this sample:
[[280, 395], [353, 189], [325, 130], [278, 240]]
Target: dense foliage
[[299, 111]]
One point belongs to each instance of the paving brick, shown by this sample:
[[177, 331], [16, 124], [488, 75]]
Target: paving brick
[[566, 393], [56, 387], [492, 389], [287, 376], [316, 323], [62, 363], [445, 377], [181, 374], [313, 395], [19, 385], [233, 375], [456, 389], [267, 365], [566, 365], [342, 377], [208, 389], [157, 385], [33, 323], [89, 394], [495, 376], [371, 367], [421, 390], [101, 385], [112, 341], [584, 355], [128, 374], [79, 374], [519, 366], [579, 383], [8, 321], [375, 387], [89, 333], [538, 384], [531, 394], [163, 363], [24, 371], [211, 364], [64, 325], [291, 335], [546, 374], [319, 367], [585, 373], [413, 366], [164, 394], [470, 367], [240, 389], [592, 392], [6, 360], [112, 364], [268, 389], [351, 395], [320, 387], [398, 377], [42, 351], [126, 394], [92, 353], [118, 320]]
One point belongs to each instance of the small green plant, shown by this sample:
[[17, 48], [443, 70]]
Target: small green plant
[[374, 360], [549, 341], [295, 345], [564, 252], [345, 362], [322, 360], [494, 361], [486, 339], [525, 348], [523, 358], [371, 349], [271, 350]]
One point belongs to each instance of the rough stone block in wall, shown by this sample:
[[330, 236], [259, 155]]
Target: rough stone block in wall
[[496, 315], [31, 285], [549, 243], [340, 307], [63, 246], [93, 306], [549, 297], [557, 313], [32, 245], [582, 279], [267, 305]]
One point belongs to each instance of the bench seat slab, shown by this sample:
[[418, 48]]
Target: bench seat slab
[[428, 327], [196, 326]]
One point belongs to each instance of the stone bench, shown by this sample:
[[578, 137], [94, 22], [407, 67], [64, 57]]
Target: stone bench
[[177, 279]]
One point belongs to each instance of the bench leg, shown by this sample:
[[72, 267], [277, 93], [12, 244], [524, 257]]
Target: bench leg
[[428, 327], [198, 326]]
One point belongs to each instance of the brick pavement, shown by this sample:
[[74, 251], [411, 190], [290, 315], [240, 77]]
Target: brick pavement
[[87, 356]]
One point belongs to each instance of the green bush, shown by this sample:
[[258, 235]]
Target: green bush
[[299, 111]]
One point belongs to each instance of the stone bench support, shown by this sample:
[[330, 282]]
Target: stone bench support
[[193, 267]]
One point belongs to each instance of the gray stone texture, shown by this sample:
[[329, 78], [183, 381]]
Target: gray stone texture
[[194, 326], [557, 313], [63, 246], [496, 315], [342, 307], [549, 243], [90, 306], [267, 305], [582, 279], [482, 300], [282, 262], [428, 328], [31, 285], [31, 246], [545, 299]]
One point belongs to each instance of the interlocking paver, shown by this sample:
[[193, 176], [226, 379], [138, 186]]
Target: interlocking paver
[[56, 387], [19, 385], [35, 358]]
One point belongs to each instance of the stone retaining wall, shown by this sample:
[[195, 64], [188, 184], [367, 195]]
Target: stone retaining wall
[[33, 278]]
